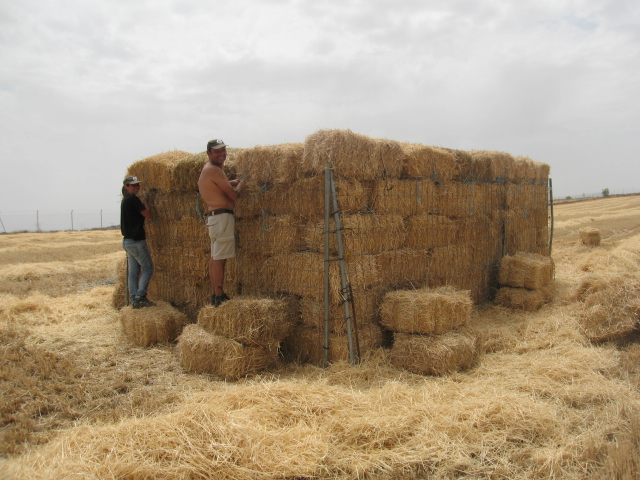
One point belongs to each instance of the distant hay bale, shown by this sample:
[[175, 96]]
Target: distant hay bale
[[433, 163], [610, 306], [155, 171], [204, 352], [270, 164], [361, 234], [249, 320], [523, 298], [306, 344], [426, 311], [151, 325], [528, 270], [590, 236], [270, 234], [436, 355], [352, 155]]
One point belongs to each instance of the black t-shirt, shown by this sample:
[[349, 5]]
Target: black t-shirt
[[131, 220]]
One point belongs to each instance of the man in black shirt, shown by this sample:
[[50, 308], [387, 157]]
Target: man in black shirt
[[133, 211]]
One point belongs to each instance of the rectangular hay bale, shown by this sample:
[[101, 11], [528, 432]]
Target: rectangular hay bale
[[250, 320], [525, 270], [204, 352], [436, 355], [426, 310], [152, 325]]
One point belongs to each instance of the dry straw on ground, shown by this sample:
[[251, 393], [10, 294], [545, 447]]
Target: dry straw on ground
[[204, 352], [426, 310], [590, 236], [436, 354], [525, 270], [610, 306], [250, 320], [151, 325]]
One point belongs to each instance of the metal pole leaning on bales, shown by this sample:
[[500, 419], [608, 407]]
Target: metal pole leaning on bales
[[343, 275], [327, 193]]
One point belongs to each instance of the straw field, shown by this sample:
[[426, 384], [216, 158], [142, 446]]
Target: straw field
[[554, 393]]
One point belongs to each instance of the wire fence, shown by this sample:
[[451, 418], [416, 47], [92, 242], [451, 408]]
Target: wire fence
[[50, 221]]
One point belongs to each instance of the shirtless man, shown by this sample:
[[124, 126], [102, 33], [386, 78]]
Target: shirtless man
[[219, 193]]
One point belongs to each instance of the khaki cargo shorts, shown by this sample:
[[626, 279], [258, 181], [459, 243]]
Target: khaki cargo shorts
[[222, 234]]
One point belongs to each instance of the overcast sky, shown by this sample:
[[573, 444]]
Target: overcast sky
[[87, 87]]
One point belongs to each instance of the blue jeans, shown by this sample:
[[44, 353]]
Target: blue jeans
[[138, 259]]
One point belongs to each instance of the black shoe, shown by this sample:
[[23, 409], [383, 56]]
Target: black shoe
[[216, 300], [143, 302]]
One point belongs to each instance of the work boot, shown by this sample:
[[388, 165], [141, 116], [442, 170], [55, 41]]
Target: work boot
[[216, 300], [143, 301]]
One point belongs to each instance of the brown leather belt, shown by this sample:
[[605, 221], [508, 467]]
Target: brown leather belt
[[218, 211]]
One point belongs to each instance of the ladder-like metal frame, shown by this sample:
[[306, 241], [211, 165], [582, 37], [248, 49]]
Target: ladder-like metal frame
[[331, 203]]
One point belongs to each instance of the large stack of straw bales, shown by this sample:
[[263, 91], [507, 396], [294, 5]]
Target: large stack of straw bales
[[412, 216], [429, 333], [526, 281]]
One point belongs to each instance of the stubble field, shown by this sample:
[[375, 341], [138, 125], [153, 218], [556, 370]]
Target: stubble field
[[545, 401]]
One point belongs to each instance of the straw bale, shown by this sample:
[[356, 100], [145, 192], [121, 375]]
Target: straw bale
[[405, 197], [204, 352], [361, 234], [610, 306], [306, 344], [155, 171], [490, 166], [352, 155], [120, 295], [262, 165], [525, 299], [302, 274], [528, 270], [270, 234], [436, 355], [151, 325], [363, 311], [426, 231], [465, 164], [542, 171], [426, 310], [249, 320], [590, 236], [524, 171], [459, 200], [450, 261], [433, 163], [402, 266], [173, 206]]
